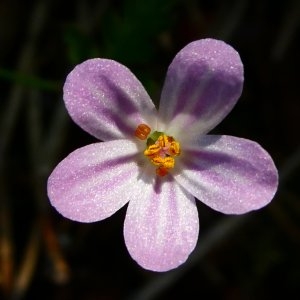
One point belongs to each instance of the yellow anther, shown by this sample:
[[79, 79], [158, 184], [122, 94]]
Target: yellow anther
[[162, 153], [142, 131], [167, 162], [157, 160], [152, 150], [174, 149], [165, 141]]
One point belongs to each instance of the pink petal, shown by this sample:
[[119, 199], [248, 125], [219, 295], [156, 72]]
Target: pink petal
[[229, 174], [161, 226], [203, 83], [104, 98], [94, 182]]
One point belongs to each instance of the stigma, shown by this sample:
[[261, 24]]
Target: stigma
[[161, 149]]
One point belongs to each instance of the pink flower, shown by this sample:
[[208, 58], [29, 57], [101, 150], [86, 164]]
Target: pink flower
[[160, 161]]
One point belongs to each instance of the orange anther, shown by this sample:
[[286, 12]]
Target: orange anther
[[142, 131], [161, 171]]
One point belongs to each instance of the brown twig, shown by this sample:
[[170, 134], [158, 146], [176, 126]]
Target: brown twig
[[61, 270], [6, 244], [28, 263], [9, 118]]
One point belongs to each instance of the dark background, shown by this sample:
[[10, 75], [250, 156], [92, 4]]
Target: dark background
[[43, 255]]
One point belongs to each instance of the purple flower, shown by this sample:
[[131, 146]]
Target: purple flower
[[160, 161]]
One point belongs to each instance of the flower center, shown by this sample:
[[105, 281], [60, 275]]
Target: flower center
[[161, 148]]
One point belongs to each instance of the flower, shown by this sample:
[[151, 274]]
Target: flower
[[160, 161]]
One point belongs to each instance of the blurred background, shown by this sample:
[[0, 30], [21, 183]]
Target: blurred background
[[43, 255]]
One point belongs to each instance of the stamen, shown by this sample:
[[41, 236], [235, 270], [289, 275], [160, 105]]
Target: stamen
[[161, 153], [161, 171], [152, 151], [168, 161], [142, 131], [174, 149]]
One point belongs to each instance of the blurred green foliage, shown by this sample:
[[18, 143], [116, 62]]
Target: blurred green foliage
[[29, 81], [131, 34]]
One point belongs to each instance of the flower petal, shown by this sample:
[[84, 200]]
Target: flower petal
[[202, 85], [161, 226], [94, 182], [104, 98], [229, 174]]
